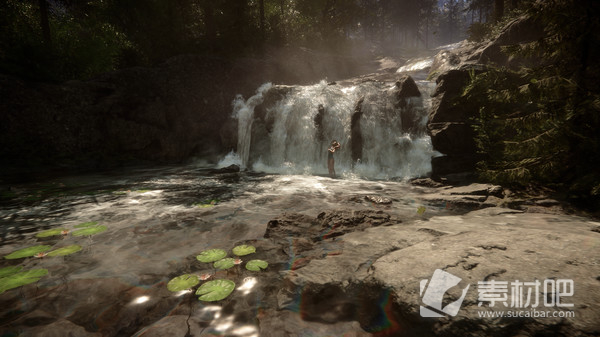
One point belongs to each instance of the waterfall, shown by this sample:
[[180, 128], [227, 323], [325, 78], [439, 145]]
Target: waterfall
[[243, 111], [286, 136]]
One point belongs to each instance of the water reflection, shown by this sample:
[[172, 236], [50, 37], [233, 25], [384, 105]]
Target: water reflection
[[247, 285], [141, 299], [245, 331], [157, 221]]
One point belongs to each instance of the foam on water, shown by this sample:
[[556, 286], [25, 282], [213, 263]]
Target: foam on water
[[289, 144]]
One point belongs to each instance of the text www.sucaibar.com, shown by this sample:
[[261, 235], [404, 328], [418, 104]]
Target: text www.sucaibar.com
[[527, 313]]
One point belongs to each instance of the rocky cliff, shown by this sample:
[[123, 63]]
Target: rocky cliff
[[451, 124]]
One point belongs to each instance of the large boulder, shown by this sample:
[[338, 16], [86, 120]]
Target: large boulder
[[451, 125], [378, 276], [520, 31], [405, 89]]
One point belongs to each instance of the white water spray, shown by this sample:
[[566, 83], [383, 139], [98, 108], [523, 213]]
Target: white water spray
[[244, 112], [285, 139]]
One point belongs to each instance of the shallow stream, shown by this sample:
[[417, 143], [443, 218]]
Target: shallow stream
[[158, 220]]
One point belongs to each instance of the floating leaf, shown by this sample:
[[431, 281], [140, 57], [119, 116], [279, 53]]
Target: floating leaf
[[50, 232], [244, 250], [90, 231], [256, 265], [27, 252], [421, 210], [225, 263], [215, 290], [209, 203], [211, 255], [65, 250], [20, 279], [182, 282], [87, 224], [6, 271]]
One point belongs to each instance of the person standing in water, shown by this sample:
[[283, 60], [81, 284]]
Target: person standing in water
[[330, 162]]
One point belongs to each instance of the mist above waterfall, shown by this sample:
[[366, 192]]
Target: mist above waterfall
[[287, 129]]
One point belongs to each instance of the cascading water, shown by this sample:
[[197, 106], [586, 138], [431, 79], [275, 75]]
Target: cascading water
[[286, 134]]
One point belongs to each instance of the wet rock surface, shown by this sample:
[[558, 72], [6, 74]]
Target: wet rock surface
[[348, 262], [388, 263]]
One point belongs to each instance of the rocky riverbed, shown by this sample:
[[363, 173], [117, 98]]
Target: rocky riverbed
[[347, 257]]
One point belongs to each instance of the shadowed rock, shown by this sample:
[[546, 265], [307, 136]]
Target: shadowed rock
[[356, 140], [405, 89]]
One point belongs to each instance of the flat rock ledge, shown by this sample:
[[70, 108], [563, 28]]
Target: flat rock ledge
[[363, 272], [371, 276]]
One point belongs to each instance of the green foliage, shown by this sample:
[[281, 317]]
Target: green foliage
[[87, 224], [68, 250], [50, 232], [27, 252], [256, 265], [215, 290], [95, 36], [7, 271], [81, 45], [183, 282], [243, 250], [90, 231], [21, 278], [540, 125], [224, 263], [211, 255], [208, 203]]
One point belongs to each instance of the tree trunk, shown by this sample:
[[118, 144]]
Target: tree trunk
[[45, 22], [209, 21], [427, 33], [261, 4], [498, 10]]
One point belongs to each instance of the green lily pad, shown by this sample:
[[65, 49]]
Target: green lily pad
[[183, 282], [65, 250], [209, 203], [87, 224], [50, 232], [224, 263], [256, 265], [27, 252], [7, 271], [211, 255], [215, 290], [22, 278], [244, 250], [90, 231]]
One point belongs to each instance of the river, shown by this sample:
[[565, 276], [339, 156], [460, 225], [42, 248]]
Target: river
[[159, 218]]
